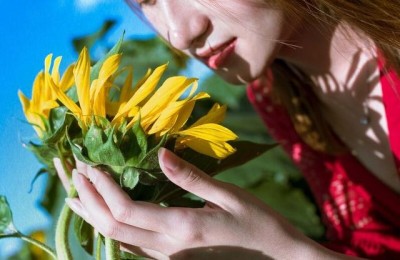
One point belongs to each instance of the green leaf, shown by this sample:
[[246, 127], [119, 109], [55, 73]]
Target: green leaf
[[246, 151], [286, 200], [6, 220], [37, 175], [151, 53], [221, 91], [91, 39], [84, 233], [52, 194], [130, 178]]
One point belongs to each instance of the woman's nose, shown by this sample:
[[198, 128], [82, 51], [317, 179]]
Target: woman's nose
[[186, 26]]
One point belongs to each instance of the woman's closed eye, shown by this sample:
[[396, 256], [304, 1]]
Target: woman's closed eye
[[146, 2]]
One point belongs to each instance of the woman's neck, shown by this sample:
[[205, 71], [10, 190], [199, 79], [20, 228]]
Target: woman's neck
[[343, 65], [327, 49]]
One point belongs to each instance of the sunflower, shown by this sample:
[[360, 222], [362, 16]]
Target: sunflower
[[38, 108], [160, 111]]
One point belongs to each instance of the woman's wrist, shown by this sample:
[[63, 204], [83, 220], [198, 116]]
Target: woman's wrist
[[307, 248]]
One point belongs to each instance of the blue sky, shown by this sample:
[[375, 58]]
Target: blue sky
[[29, 31]]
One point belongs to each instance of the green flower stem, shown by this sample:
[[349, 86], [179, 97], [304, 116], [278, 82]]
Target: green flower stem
[[64, 220], [112, 249], [32, 241], [62, 244], [98, 247]]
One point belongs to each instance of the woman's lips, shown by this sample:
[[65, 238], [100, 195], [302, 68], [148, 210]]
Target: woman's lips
[[215, 60]]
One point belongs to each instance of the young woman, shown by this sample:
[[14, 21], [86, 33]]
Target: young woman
[[322, 74]]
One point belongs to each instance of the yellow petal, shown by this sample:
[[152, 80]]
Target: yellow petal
[[142, 92], [109, 67], [67, 79], [25, 102], [47, 106], [170, 91], [55, 74], [126, 88], [186, 112], [183, 116], [37, 96], [82, 80], [133, 112], [69, 103], [167, 117], [46, 91], [140, 83], [210, 132], [36, 121], [218, 150], [99, 99], [215, 115], [47, 62], [112, 107]]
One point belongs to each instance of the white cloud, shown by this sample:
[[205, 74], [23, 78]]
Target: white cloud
[[86, 5]]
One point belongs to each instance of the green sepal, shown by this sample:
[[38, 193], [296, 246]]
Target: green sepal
[[150, 161], [44, 153], [6, 219], [72, 93], [93, 140], [106, 153], [129, 178], [59, 121], [79, 152], [152, 176], [134, 145], [94, 74], [84, 233]]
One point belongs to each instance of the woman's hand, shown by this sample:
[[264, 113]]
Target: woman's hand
[[232, 221]]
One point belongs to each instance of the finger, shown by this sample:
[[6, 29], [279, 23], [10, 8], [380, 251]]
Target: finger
[[62, 174], [190, 178], [142, 252], [136, 213], [100, 217], [76, 205], [80, 166]]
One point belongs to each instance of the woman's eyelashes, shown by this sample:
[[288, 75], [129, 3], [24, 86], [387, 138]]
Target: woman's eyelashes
[[146, 2]]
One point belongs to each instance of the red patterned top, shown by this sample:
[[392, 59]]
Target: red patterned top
[[361, 214]]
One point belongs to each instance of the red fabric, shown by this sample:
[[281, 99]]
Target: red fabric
[[361, 214]]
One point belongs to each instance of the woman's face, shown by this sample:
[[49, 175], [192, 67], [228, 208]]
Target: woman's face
[[236, 38]]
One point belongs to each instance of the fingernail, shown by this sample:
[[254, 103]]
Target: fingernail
[[56, 160], [90, 172], [76, 207], [167, 159], [76, 178], [73, 205]]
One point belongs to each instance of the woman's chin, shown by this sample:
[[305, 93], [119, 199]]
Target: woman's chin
[[237, 78]]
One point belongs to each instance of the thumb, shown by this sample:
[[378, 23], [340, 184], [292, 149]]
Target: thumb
[[190, 178]]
